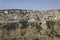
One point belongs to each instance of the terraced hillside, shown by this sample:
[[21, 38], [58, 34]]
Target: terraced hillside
[[20, 24]]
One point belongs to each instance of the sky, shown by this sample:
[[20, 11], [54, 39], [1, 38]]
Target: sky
[[30, 4]]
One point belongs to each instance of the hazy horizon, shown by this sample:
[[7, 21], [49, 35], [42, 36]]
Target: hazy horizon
[[30, 4]]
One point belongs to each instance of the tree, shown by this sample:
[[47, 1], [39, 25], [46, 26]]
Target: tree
[[50, 25], [24, 23], [38, 27], [10, 26]]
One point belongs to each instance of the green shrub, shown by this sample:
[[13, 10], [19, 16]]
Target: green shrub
[[57, 36], [38, 27], [36, 39], [24, 23], [50, 24]]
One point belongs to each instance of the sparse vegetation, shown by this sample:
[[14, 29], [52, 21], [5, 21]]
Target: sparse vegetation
[[29, 28], [38, 27], [57, 36], [24, 24], [36, 39], [50, 24], [10, 26]]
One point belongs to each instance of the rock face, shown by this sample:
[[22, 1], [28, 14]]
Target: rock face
[[18, 21]]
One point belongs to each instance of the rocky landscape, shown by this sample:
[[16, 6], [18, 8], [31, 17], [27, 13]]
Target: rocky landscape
[[21, 24]]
